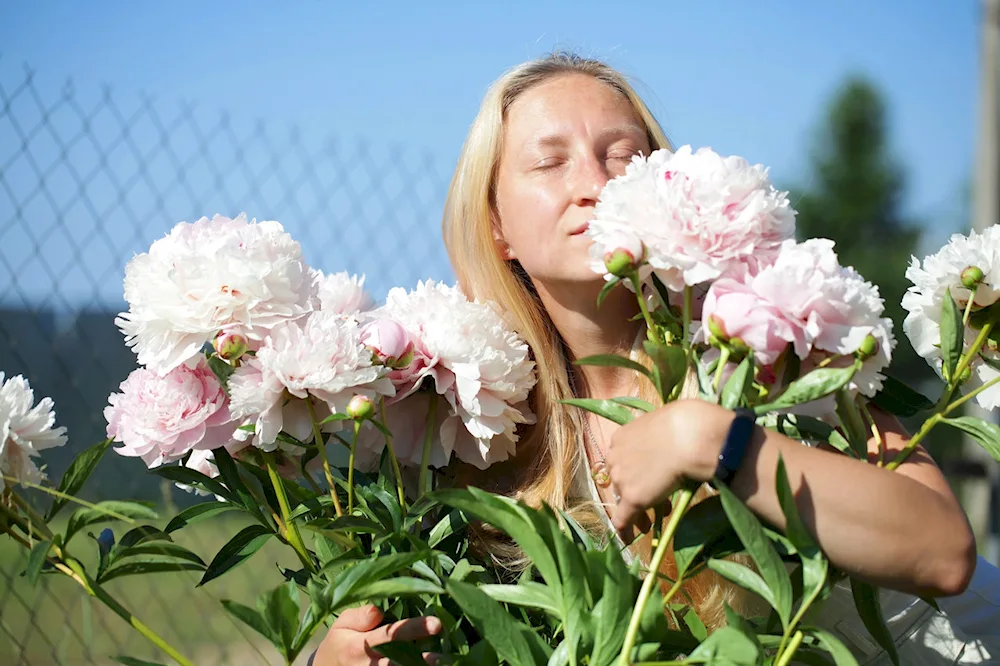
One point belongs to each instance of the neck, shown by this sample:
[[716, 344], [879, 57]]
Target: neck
[[588, 331]]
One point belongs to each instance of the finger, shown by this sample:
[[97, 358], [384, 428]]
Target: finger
[[410, 629], [431, 658], [643, 523], [362, 618], [624, 518]]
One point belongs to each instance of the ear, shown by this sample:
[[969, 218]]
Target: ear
[[503, 248]]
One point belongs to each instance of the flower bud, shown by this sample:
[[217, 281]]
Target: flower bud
[[361, 408], [627, 254], [868, 348], [230, 346], [389, 342], [972, 276], [717, 329]]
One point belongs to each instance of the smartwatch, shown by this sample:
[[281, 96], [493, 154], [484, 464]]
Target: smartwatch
[[737, 439]]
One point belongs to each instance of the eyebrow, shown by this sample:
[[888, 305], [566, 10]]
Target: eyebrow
[[560, 139]]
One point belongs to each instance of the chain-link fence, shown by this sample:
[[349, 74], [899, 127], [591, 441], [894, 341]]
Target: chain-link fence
[[87, 179]]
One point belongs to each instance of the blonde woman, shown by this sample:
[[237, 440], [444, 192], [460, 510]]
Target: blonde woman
[[549, 134]]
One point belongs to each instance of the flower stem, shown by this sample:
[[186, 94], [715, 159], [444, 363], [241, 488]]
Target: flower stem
[[785, 657], [680, 507], [688, 314], [318, 437], [723, 359], [33, 518], [392, 454], [425, 455], [643, 308], [290, 528], [350, 468], [968, 306]]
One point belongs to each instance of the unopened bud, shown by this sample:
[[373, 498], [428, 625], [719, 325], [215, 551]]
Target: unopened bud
[[627, 253], [868, 347], [230, 346], [389, 341], [361, 408], [972, 276], [620, 262]]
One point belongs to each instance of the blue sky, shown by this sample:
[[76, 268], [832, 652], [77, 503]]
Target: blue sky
[[745, 78]]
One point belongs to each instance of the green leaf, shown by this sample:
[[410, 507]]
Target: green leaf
[[814, 565], [450, 524], [807, 429], [606, 408], [527, 594], [952, 335], [899, 399], [744, 577], [606, 289], [614, 361], [695, 624], [106, 511], [36, 560], [512, 640], [196, 513], [634, 403], [726, 646], [77, 474], [984, 432], [817, 384], [759, 547], [703, 524], [131, 661], [869, 607], [159, 549], [346, 524], [141, 534], [739, 382], [401, 653], [189, 477], [236, 551], [280, 610], [221, 369], [391, 588], [669, 366], [251, 618], [841, 654], [230, 475], [134, 567], [369, 571]]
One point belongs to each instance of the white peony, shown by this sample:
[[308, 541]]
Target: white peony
[[320, 355], [699, 215], [932, 280], [477, 364], [25, 430], [244, 277], [341, 293]]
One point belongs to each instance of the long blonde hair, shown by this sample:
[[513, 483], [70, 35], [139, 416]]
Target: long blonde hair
[[549, 452]]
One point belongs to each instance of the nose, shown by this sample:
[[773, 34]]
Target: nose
[[589, 176]]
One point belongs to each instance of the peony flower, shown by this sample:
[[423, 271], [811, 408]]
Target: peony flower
[[807, 300], [341, 293], [206, 277], [474, 361], [388, 341], [700, 216], [161, 418], [25, 430], [946, 270], [320, 355]]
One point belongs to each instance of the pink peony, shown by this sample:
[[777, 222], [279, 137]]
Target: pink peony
[[26, 429], [699, 215], [389, 341], [161, 418], [807, 300]]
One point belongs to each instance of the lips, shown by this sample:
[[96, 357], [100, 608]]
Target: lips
[[580, 229]]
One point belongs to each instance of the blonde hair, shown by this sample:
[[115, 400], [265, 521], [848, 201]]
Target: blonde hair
[[549, 452]]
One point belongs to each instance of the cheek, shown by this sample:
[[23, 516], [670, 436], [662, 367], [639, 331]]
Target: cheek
[[529, 218]]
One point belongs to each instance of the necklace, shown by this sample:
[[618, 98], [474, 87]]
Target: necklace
[[599, 470]]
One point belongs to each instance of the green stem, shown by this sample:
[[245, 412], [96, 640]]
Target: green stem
[[425, 455], [33, 517], [350, 469], [970, 395], [680, 507], [785, 658], [688, 312], [967, 357], [968, 307], [637, 287], [291, 529], [392, 455], [318, 437], [723, 359]]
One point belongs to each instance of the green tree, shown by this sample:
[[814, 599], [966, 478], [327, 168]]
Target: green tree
[[853, 197]]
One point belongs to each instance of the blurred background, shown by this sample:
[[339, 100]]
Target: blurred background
[[344, 121]]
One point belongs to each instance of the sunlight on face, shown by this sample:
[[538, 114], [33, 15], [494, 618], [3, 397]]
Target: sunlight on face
[[563, 140]]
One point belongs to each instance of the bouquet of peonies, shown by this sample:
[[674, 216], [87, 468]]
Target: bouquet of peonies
[[288, 396]]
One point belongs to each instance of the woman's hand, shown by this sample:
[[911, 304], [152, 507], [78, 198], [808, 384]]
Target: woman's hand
[[651, 457], [352, 636]]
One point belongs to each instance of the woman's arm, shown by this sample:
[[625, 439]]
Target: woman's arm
[[900, 529]]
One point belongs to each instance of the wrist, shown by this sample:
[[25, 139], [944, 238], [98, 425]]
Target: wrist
[[734, 446]]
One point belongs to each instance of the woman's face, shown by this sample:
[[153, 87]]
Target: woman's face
[[563, 140]]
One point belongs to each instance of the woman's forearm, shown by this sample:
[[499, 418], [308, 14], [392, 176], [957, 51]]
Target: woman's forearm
[[887, 528]]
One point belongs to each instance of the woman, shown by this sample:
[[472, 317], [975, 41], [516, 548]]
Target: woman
[[549, 135]]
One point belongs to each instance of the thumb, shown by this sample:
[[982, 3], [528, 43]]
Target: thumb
[[362, 618]]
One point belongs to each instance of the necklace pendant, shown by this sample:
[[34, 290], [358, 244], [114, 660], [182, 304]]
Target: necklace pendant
[[599, 472]]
